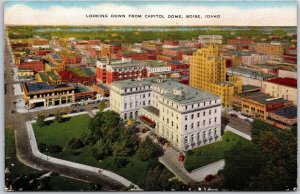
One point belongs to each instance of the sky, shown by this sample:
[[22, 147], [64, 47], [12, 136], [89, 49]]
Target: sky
[[232, 13]]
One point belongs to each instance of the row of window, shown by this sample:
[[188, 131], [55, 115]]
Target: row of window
[[198, 123], [144, 103], [205, 135], [137, 89], [50, 94]]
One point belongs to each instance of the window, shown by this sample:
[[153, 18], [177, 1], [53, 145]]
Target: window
[[215, 119], [192, 125], [172, 123], [148, 102], [144, 95], [203, 123], [149, 94], [209, 112], [185, 118], [185, 107], [198, 136], [192, 106], [185, 139], [215, 110], [185, 127], [125, 116], [125, 105], [204, 113], [192, 137], [204, 103], [167, 120], [144, 103], [192, 116], [130, 105], [198, 124], [209, 121], [198, 114]]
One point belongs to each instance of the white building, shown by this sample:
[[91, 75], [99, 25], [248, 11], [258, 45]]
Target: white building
[[156, 66], [210, 39], [255, 58], [186, 117]]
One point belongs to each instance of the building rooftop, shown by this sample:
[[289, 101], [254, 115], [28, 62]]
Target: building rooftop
[[152, 109], [132, 83], [176, 62], [102, 86], [182, 93], [268, 99], [127, 64], [155, 63], [55, 56], [79, 88], [249, 72], [287, 112], [53, 75], [249, 87], [44, 76], [40, 86], [290, 82]]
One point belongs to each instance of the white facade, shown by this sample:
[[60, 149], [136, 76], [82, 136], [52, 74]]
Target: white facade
[[210, 39], [158, 69], [286, 73], [255, 59], [186, 117]]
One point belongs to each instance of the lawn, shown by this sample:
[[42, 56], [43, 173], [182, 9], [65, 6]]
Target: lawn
[[60, 134], [213, 152], [57, 183]]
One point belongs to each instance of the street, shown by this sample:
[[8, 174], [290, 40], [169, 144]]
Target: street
[[24, 153]]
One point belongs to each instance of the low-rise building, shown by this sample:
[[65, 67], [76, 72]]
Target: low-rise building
[[210, 39], [41, 94], [101, 89], [109, 71], [186, 117], [51, 77], [249, 76], [34, 64], [286, 115], [282, 87], [156, 66], [83, 93]]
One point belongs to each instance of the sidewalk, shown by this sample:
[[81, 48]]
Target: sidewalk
[[74, 165]]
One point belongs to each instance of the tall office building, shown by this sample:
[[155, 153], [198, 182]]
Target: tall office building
[[208, 72]]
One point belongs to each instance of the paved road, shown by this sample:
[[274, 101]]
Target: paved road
[[24, 152]]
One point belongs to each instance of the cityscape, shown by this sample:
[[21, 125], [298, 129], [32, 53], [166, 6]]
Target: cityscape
[[150, 108]]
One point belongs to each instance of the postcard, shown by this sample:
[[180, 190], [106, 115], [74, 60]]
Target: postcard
[[150, 95]]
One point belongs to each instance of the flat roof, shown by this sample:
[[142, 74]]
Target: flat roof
[[249, 87], [287, 112], [81, 88], [40, 86], [152, 109], [290, 82], [131, 83], [243, 70], [102, 86], [155, 63], [189, 94]]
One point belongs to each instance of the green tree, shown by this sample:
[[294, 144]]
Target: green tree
[[41, 120], [102, 106], [59, 117], [243, 161], [149, 150]]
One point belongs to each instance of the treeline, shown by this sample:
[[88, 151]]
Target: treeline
[[270, 164]]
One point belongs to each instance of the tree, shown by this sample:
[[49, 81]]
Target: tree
[[242, 162], [157, 180], [59, 117], [41, 120], [149, 150], [102, 106]]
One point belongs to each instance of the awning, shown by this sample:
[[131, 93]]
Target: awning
[[147, 121]]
